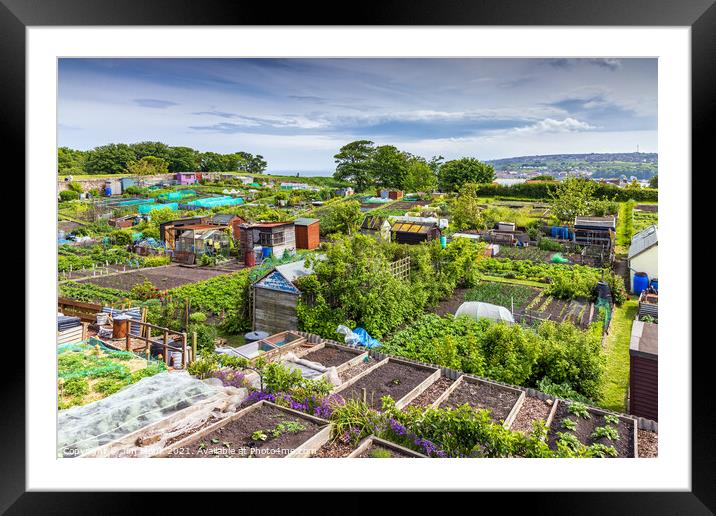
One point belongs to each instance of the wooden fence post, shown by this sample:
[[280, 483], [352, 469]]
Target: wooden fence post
[[184, 361], [129, 326], [193, 347], [166, 347]]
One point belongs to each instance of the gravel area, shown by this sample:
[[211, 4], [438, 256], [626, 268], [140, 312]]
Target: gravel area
[[532, 409], [648, 444], [429, 395], [333, 449]]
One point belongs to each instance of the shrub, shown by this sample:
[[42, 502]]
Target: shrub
[[122, 237], [156, 261], [68, 195], [75, 187]]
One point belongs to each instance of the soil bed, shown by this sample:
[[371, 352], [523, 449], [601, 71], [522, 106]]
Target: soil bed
[[624, 445], [483, 396], [377, 452], [648, 444], [234, 440], [392, 379], [161, 277], [531, 410], [429, 395], [330, 356], [450, 305], [356, 370]]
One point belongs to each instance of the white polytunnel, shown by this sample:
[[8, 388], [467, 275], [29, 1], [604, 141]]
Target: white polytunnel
[[480, 310]]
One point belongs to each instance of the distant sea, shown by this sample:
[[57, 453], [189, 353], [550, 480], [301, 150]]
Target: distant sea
[[302, 173]]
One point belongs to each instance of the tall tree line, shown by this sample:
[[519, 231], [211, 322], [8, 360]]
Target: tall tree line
[[122, 158], [366, 165]]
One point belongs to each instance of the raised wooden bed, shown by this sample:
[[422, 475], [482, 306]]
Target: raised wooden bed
[[513, 398], [354, 386], [627, 445], [316, 436], [376, 442], [353, 356], [525, 403]]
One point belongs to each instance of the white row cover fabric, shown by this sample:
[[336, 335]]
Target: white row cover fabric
[[82, 429], [480, 310]]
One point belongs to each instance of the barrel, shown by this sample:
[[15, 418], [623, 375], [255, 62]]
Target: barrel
[[655, 284], [120, 326], [250, 258], [553, 232], [108, 191], [641, 282], [266, 252], [443, 241]]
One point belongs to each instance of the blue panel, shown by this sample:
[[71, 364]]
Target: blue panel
[[276, 281]]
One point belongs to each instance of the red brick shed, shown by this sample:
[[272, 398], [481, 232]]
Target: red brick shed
[[307, 233], [644, 370]]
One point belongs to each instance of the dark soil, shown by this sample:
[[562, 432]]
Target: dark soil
[[648, 444], [394, 454], [531, 410], [624, 445], [333, 449], [330, 356], [433, 392], [356, 369], [161, 277], [483, 396], [392, 379], [450, 305], [234, 439]]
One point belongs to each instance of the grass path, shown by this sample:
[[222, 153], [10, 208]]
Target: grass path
[[625, 227], [499, 279], [616, 377]]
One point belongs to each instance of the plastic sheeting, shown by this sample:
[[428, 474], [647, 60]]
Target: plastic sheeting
[[311, 370], [357, 337], [83, 429], [479, 310]]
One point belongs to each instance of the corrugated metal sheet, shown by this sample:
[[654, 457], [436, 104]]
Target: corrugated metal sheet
[[643, 240]]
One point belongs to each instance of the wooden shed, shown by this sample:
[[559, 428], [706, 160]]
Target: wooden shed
[[644, 370], [414, 232], [166, 233], [376, 226], [275, 298], [307, 233], [278, 236]]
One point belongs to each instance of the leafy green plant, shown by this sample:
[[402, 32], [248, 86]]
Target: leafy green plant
[[579, 409], [204, 367], [611, 419], [259, 435], [608, 432], [380, 453], [569, 424], [601, 450]]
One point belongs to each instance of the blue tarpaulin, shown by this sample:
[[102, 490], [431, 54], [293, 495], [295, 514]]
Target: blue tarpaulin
[[365, 339]]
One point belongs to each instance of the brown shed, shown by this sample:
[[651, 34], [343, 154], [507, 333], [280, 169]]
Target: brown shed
[[307, 233], [644, 370]]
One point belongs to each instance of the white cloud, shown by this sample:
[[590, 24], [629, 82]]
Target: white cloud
[[549, 125]]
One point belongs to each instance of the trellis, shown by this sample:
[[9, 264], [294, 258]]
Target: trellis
[[401, 268]]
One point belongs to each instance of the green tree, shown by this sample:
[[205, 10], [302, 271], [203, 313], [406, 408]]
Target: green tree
[[389, 167], [572, 197], [419, 176], [109, 159], [457, 172], [341, 217], [70, 161], [148, 165], [466, 212], [654, 182], [353, 164], [183, 159], [155, 149]]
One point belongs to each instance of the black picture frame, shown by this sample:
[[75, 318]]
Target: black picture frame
[[700, 15]]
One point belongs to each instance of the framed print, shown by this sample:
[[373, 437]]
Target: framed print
[[432, 234]]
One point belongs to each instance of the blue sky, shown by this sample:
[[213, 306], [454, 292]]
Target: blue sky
[[297, 113]]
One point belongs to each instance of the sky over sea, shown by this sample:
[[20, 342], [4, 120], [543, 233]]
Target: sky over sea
[[297, 113]]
